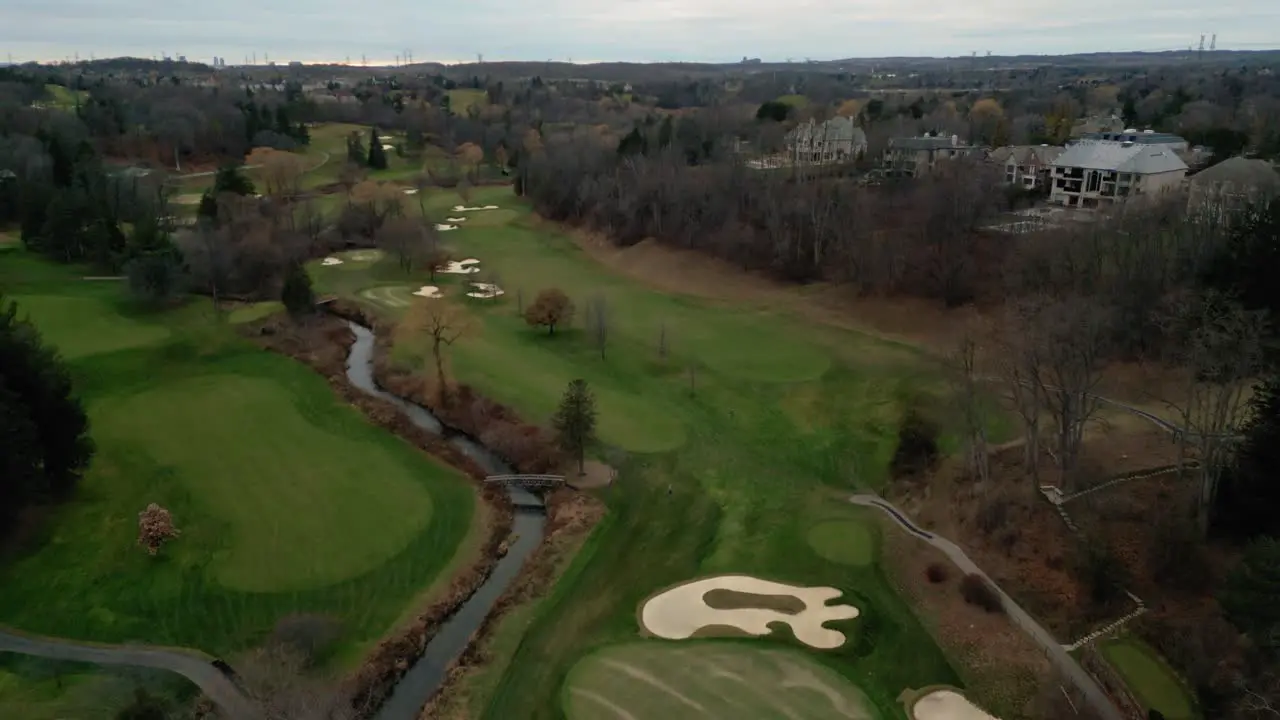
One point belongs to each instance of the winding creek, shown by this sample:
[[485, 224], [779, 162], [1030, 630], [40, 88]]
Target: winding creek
[[427, 674]]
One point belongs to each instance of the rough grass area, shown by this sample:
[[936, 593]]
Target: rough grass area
[[657, 681], [463, 99], [1150, 680], [287, 499], [848, 543], [41, 689], [734, 436]]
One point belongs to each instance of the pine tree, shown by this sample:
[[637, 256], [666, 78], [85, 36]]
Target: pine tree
[[54, 437], [355, 150], [297, 295], [575, 421], [377, 156]]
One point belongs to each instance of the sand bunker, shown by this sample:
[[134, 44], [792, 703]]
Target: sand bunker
[[429, 291], [682, 611], [388, 147], [464, 267], [445, 228], [331, 261], [385, 138], [947, 705], [461, 208], [455, 220], [188, 199], [485, 291], [411, 191]]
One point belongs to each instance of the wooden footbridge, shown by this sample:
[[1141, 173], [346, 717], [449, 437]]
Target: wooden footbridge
[[528, 482]]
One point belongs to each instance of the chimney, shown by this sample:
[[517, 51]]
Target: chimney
[[955, 140]]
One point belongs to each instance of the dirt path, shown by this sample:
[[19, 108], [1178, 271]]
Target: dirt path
[[217, 686], [1053, 650], [210, 173]]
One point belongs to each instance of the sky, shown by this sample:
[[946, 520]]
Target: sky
[[619, 30]]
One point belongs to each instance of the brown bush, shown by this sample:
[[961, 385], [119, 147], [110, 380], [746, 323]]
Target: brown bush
[[917, 449], [977, 591], [937, 573], [993, 515], [308, 635]]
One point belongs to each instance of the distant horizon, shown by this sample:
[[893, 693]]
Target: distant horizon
[[640, 31], [392, 63]]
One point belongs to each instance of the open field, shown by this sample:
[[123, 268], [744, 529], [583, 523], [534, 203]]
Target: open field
[[1149, 678], [41, 689], [737, 467], [287, 499], [463, 99]]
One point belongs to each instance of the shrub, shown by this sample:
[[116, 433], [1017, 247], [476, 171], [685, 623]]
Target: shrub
[[1177, 556], [976, 591], [993, 515], [309, 635], [937, 573], [917, 445]]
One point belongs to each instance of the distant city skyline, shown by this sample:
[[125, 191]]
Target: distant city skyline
[[621, 30]]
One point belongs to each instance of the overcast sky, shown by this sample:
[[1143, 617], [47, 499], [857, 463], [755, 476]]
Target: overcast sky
[[632, 30]]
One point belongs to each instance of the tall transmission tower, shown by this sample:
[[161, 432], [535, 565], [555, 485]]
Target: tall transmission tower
[[1213, 44], [1200, 54]]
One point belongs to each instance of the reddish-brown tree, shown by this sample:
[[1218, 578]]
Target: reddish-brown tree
[[155, 528], [551, 308]]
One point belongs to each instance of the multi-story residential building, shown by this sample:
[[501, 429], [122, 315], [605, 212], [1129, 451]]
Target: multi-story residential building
[[1231, 184], [1026, 166], [1093, 174], [909, 157], [836, 140], [1138, 137]]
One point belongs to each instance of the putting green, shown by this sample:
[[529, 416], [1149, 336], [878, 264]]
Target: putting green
[[847, 542], [485, 218], [661, 681], [359, 259], [392, 297], [355, 506], [1154, 684], [255, 311], [81, 326]]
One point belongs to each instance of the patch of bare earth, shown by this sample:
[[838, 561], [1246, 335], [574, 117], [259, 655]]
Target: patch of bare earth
[[571, 516], [1001, 667]]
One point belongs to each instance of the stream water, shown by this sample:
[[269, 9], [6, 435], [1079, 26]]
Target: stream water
[[426, 675]]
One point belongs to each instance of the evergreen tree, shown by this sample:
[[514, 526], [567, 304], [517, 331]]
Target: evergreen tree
[[1248, 496], [633, 143], [355, 150], [45, 454], [297, 295], [230, 178], [377, 156], [1249, 597], [665, 133], [575, 421]]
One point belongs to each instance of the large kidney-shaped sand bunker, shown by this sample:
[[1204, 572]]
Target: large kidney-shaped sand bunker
[[748, 604], [947, 705]]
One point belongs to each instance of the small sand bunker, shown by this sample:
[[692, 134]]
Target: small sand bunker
[[455, 220], [485, 291], [411, 191], [388, 147], [429, 291], [464, 267], [463, 208], [469, 261], [947, 705], [385, 138], [445, 228], [331, 261], [682, 611]]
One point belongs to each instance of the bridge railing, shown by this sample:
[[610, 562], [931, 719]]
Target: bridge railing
[[527, 480]]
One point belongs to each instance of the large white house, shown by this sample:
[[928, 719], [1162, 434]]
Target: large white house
[[1098, 173], [836, 140]]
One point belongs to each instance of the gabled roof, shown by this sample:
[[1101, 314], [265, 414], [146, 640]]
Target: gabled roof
[[1239, 171], [1024, 154], [836, 129], [926, 143], [1121, 157]]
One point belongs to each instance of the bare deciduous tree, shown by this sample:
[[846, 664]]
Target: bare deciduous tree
[[598, 322], [1220, 345], [276, 679], [444, 323], [966, 384]]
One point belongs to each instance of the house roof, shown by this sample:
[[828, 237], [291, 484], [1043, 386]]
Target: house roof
[[834, 130], [1024, 154], [1122, 157], [1143, 137], [1239, 171], [925, 143]]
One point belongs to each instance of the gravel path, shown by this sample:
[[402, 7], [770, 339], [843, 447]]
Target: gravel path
[[1063, 661], [217, 686]]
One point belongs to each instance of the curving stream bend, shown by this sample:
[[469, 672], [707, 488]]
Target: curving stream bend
[[426, 675]]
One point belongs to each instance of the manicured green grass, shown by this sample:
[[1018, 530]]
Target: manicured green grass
[[727, 469], [254, 311], [287, 499], [462, 99], [844, 542], [64, 98], [796, 101], [657, 680], [34, 688], [1150, 679]]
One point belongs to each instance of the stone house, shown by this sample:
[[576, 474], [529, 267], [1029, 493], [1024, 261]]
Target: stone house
[[1026, 166], [1100, 173], [1232, 184], [836, 140], [912, 156]]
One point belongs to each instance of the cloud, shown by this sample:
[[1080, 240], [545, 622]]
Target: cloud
[[636, 30]]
